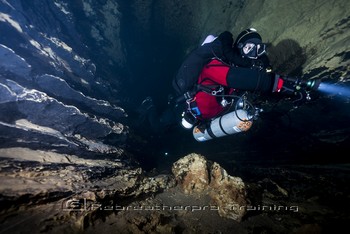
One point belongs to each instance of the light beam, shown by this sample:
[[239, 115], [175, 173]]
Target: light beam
[[335, 89]]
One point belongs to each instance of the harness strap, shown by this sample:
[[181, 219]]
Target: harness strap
[[210, 132], [221, 127], [192, 107]]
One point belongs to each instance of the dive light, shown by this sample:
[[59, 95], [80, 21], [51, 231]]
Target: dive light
[[307, 85]]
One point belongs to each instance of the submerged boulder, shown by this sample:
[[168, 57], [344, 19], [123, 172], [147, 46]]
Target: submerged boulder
[[196, 175]]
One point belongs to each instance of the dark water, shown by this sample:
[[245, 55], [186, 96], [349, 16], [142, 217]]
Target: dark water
[[306, 136], [153, 57]]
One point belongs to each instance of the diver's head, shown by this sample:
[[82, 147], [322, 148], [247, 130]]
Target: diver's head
[[249, 43]]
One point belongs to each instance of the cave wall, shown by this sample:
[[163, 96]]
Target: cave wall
[[304, 35], [72, 71], [103, 57], [318, 29], [307, 38], [58, 90]]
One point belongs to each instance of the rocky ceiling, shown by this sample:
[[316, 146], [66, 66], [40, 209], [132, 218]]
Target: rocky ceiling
[[72, 74]]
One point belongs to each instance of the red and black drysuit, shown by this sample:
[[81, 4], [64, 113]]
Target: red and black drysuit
[[190, 69], [207, 66], [217, 73]]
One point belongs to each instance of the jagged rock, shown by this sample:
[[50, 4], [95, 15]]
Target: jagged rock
[[80, 188], [191, 172], [228, 192], [46, 80], [60, 88], [194, 174], [47, 116], [272, 189], [12, 62], [68, 69]]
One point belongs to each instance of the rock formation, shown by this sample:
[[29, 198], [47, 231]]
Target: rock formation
[[195, 175], [73, 154]]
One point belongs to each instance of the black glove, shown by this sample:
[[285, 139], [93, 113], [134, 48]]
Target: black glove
[[295, 87], [290, 86]]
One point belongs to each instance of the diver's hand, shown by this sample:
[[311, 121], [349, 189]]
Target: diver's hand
[[289, 87]]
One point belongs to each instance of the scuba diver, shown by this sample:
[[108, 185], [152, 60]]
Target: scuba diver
[[213, 83]]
